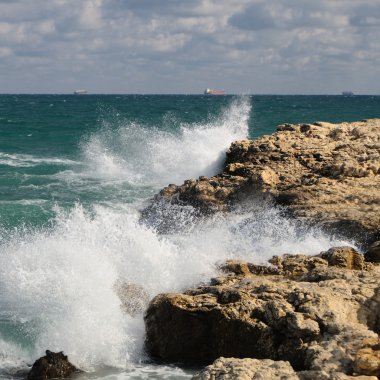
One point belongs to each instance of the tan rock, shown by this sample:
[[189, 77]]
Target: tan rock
[[247, 369], [367, 359], [314, 314], [344, 257], [328, 174]]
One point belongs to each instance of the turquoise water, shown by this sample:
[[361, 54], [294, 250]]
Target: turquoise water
[[74, 173], [45, 158]]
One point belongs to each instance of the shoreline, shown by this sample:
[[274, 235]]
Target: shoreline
[[293, 316], [322, 174]]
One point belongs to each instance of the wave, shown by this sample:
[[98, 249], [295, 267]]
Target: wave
[[61, 282], [26, 160], [57, 283], [151, 155]]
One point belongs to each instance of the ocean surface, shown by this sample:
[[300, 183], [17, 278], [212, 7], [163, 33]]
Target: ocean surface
[[75, 171]]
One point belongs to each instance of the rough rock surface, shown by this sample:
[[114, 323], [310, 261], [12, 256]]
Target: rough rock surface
[[322, 172], [316, 312], [53, 365], [367, 359], [247, 369]]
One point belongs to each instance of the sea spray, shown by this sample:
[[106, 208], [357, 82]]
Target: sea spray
[[158, 156], [61, 283]]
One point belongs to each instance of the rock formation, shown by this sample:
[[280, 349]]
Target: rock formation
[[53, 365], [373, 253], [319, 313], [247, 369], [323, 173]]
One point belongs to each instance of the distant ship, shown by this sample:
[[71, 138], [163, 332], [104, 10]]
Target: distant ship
[[80, 92], [208, 91], [347, 93]]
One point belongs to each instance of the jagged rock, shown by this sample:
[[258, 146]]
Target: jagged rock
[[344, 257], [53, 365], [247, 369], [328, 174], [373, 253], [310, 311]]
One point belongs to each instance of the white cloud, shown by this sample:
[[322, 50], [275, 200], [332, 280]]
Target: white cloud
[[91, 16], [183, 46]]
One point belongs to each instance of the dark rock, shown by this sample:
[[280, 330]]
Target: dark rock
[[53, 365], [373, 253]]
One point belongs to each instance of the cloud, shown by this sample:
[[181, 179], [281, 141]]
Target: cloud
[[289, 15], [184, 46]]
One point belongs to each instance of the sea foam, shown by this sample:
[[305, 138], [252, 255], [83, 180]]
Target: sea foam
[[150, 155], [60, 284]]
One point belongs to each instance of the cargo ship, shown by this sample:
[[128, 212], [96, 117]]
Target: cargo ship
[[347, 93], [80, 92], [208, 91]]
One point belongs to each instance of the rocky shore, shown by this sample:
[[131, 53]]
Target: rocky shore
[[305, 317], [300, 317], [322, 173]]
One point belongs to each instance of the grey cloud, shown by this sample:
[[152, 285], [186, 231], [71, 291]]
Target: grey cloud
[[149, 8], [183, 46], [366, 15], [289, 15], [255, 17]]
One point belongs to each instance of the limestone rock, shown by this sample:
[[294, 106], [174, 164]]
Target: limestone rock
[[247, 369], [313, 312], [344, 257], [327, 174], [367, 359], [53, 365]]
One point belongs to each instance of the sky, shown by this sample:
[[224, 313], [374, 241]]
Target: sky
[[184, 46]]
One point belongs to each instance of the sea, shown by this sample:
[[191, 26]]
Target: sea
[[75, 173]]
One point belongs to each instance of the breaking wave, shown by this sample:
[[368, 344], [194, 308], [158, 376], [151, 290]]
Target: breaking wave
[[57, 283], [147, 154], [60, 284]]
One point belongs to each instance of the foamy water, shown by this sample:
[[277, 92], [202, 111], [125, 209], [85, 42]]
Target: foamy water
[[142, 154], [57, 282], [27, 160]]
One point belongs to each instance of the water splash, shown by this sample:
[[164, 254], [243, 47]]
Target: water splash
[[57, 284], [141, 154], [61, 283]]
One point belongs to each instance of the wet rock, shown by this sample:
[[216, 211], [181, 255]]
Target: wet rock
[[326, 174], [373, 253], [53, 365], [247, 369], [311, 311]]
